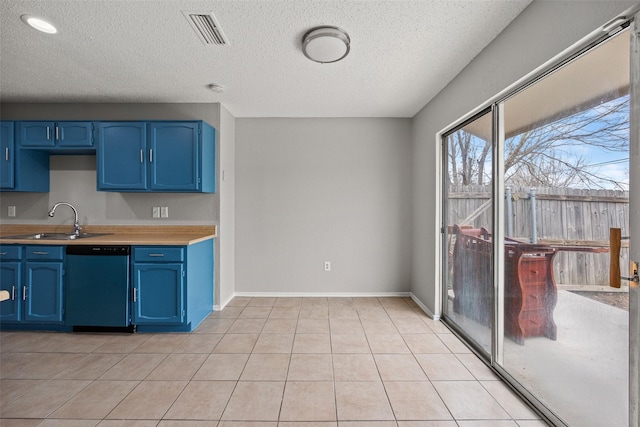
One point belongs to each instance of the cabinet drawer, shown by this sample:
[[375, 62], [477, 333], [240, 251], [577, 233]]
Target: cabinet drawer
[[8, 252], [44, 252], [534, 323], [534, 301], [534, 270], [155, 254]]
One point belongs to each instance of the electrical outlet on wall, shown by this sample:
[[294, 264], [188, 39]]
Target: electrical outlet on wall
[[11, 211], [164, 212], [327, 266], [156, 212]]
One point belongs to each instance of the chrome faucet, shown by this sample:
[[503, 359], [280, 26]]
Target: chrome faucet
[[76, 225]]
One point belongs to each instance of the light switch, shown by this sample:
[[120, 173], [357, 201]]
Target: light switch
[[156, 212], [11, 211], [164, 212]]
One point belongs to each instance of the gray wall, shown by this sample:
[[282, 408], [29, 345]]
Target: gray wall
[[540, 32], [314, 190]]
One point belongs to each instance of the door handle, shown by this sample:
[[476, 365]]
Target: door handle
[[48, 133], [150, 155], [135, 295], [635, 278], [40, 253], [156, 255], [57, 134], [6, 153], [141, 156], [13, 293], [24, 293]]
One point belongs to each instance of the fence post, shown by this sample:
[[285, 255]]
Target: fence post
[[508, 207], [534, 221]]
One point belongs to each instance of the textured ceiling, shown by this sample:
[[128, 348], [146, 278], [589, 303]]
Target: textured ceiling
[[402, 53]]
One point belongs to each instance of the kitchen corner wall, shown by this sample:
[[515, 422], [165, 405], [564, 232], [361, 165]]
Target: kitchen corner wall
[[226, 249], [543, 30], [323, 189], [73, 179]]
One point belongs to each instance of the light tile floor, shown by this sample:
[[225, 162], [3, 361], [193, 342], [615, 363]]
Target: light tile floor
[[260, 362]]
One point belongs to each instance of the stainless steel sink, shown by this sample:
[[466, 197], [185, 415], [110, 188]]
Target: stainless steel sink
[[55, 236]]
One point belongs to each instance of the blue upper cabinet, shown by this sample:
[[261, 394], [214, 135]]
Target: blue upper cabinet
[[174, 156], [21, 170], [8, 152], [121, 156], [56, 136], [170, 157]]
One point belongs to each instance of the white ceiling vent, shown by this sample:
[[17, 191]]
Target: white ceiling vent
[[206, 27]]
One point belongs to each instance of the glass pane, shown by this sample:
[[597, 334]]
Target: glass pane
[[567, 179], [469, 206]]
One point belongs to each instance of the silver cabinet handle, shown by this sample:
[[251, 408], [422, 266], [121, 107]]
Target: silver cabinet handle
[[141, 156], [48, 133], [135, 295], [13, 293], [57, 133], [3, 253], [150, 155], [6, 153], [24, 293], [40, 253], [156, 254]]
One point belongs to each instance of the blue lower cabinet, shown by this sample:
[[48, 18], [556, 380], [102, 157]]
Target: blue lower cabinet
[[158, 294], [10, 280], [172, 286], [42, 293], [33, 276]]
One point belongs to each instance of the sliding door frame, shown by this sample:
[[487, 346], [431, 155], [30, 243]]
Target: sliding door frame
[[634, 224]]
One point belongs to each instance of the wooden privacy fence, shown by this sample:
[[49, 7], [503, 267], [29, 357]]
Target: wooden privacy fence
[[556, 216]]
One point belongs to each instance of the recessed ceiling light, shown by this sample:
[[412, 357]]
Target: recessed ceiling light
[[39, 24]]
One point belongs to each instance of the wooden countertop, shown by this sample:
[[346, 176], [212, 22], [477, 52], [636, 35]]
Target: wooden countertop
[[177, 235]]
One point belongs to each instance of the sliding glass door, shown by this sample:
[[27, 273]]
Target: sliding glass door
[[468, 210], [548, 168], [566, 163]]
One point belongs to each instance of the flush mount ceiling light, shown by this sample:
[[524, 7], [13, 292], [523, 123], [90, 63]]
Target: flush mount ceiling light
[[39, 24], [326, 44]]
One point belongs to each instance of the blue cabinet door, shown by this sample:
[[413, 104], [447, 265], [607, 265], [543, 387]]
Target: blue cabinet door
[[74, 134], [7, 161], [36, 134], [43, 295], [121, 156], [55, 134], [174, 156], [10, 280], [158, 293]]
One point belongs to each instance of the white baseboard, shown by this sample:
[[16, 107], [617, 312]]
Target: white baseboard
[[322, 294], [218, 307], [424, 308]]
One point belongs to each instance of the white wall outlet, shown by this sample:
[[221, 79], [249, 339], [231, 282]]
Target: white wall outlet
[[156, 212], [164, 212], [327, 266], [11, 211]]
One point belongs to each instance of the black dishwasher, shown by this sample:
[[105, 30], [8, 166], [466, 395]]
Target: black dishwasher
[[97, 285]]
